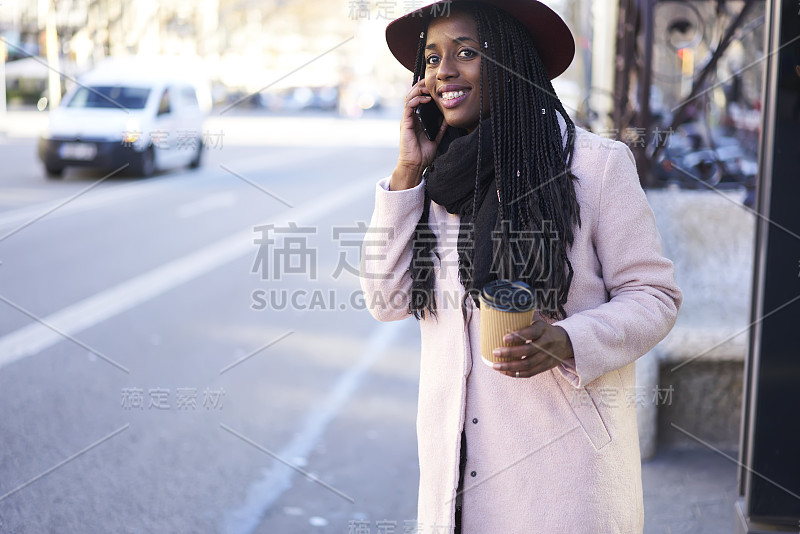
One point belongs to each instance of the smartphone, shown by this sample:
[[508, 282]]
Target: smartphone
[[430, 117]]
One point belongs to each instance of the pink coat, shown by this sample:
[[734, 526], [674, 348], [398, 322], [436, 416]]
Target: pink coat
[[557, 453]]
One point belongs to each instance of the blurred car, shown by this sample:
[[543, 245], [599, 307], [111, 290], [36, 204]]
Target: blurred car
[[135, 113]]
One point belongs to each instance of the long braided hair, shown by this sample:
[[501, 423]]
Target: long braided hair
[[538, 209]]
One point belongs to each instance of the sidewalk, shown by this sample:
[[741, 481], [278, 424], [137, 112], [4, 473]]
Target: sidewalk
[[689, 491]]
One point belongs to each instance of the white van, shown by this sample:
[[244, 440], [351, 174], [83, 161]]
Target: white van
[[146, 114]]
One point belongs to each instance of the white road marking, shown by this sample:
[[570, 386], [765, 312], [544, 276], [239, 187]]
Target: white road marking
[[264, 492], [207, 203], [93, 310]]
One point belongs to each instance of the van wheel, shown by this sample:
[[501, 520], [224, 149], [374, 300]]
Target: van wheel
[[53, 172], [195, 163], [146, 164]]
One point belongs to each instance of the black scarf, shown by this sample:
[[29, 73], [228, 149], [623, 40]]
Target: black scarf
[[450, 182]]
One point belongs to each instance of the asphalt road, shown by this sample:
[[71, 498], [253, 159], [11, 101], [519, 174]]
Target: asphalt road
[[163, 372], [152, 382]]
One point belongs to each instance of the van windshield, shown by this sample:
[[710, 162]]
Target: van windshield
[[98, 96]]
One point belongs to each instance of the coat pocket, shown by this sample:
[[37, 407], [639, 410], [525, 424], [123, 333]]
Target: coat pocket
[[584, 404]]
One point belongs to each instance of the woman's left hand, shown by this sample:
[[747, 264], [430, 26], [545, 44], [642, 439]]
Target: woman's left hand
[[537, 348]]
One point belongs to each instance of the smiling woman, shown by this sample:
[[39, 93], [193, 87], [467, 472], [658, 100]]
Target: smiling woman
[[509, 189], [504, 77]]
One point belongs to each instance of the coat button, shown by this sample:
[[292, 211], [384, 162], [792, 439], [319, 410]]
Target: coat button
[[475, 420], [473, 474]]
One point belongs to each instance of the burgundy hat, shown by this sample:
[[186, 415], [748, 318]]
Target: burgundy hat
[[549, 32]]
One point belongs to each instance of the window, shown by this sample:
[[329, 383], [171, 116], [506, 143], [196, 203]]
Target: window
[[104, 96], [164, 105], [189, 98]]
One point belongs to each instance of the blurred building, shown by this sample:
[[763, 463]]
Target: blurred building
[[314, 52], [307, 46], [246, 45]]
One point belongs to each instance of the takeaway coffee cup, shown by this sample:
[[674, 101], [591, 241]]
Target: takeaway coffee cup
[[505, 307]]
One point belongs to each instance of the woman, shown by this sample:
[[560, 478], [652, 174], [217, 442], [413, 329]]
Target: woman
[[509, 188]]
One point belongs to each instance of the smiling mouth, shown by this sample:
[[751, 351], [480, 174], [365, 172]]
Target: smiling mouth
[[451, 99]]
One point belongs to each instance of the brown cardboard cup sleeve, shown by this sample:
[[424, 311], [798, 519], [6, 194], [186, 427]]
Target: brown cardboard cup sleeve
[[505, 307]]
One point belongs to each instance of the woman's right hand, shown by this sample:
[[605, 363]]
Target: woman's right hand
[[416, 151]]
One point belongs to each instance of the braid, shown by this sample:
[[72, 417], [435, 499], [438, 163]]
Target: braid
[[419, 62], [538, 207], [422, 297], [465, 267]]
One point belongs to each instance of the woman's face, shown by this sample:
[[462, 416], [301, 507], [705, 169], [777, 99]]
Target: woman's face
[[453, 69]]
